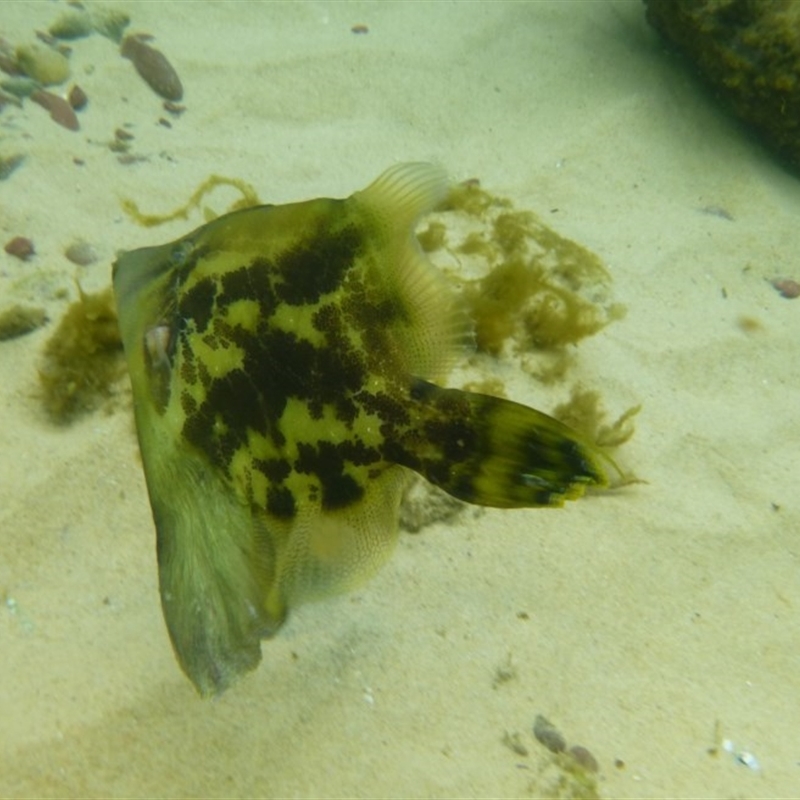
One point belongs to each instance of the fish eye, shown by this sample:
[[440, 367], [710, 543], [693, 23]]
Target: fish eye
[[157, 343]]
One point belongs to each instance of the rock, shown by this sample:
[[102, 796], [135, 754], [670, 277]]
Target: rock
[[43, 63], [20, 247], [153, 66], [748, 51]]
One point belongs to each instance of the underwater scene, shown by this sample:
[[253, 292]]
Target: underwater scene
[[399, 399]]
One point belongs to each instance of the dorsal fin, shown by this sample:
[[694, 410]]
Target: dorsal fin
[[404, 192], [437, 328]]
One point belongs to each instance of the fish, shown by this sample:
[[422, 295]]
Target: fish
[[287, 364]]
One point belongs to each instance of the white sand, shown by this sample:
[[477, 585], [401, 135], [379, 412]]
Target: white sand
[[655, 613]]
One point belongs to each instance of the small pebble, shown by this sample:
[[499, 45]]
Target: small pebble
[[8, 99], [748, 760], [81, 253], [60, 110], [787, 287], [547, 734], [8, 62], [20, 86], [109, 22], [20, 247], [152, 66], [43, 63], [77, 98], [119, 146], [513, 742], [131, 158], [584, 758], [174, 108], [9, 164], [51, 41], [717, 211], [19, 320], [71, 25]]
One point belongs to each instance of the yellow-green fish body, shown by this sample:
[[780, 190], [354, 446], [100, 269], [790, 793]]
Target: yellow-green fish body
[[281, 359]]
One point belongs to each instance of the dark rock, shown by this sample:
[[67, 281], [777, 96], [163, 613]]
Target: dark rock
[[748, 51]]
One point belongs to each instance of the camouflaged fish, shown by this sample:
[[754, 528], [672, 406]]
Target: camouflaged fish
[[282, 360]]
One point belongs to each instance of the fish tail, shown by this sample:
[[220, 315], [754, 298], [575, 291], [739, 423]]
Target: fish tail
[[494, 452]]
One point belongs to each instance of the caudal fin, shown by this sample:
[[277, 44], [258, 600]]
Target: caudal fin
[[494, 452]]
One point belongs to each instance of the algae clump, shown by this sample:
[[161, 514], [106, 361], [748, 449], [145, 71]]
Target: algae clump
[[541, 289], [83, 357], [584, 412], [530, 293]]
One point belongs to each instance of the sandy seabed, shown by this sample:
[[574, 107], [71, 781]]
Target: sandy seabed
[[652, 625]]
